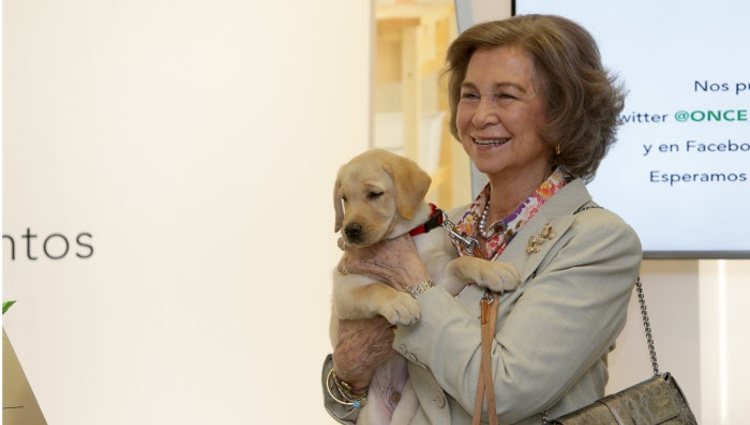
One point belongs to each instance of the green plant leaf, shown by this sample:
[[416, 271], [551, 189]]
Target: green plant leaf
[[7, 304]]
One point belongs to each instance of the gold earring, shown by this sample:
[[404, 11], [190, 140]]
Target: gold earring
[[557, 149]]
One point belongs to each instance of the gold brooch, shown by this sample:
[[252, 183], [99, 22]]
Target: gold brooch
[[536, 241]]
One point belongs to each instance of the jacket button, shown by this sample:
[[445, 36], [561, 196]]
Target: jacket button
[[395, 397], [440, 401]]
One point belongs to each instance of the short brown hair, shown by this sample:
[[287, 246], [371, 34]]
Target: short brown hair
[[581, 99]]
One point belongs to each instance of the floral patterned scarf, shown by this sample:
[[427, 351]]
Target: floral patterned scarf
[[506, 228]]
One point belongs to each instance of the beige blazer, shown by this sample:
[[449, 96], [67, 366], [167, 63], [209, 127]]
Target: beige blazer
[[553, 333]]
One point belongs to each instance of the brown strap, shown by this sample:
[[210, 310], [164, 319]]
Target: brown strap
[[489, 306]]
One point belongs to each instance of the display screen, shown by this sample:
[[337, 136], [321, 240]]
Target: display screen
[[680, 170]]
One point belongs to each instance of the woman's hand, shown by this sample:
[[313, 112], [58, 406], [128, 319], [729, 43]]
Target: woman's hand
[[362, 346], [395, 262]]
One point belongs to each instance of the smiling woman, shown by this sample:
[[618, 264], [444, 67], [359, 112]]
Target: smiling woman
[[535, 111], [499, 117]]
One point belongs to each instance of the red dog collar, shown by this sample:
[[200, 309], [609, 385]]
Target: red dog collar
[[435, 220]]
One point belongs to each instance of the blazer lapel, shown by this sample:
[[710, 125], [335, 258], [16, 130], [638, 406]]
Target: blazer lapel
[[557, 212]]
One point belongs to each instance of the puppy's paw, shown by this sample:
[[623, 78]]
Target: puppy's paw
[[494, 275], [402, 309], [497, 276]]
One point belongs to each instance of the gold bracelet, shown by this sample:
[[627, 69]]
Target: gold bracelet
[[346, 389], [356, 401]]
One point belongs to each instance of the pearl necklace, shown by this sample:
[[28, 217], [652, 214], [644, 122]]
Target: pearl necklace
[[483, 220]]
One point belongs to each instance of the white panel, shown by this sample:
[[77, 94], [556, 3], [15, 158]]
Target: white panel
[[197, 142], [725, 288]]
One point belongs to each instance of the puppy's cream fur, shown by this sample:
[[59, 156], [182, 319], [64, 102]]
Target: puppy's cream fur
[[379, 195]]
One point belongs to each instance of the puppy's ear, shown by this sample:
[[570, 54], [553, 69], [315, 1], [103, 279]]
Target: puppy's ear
[[410, 184], [338, 206]]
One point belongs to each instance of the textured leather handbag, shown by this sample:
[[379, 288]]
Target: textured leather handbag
[[657, 400]]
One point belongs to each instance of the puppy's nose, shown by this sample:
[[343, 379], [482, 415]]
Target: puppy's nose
[[353, 231]]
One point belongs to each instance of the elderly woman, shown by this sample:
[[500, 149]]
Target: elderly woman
[[535, 111]]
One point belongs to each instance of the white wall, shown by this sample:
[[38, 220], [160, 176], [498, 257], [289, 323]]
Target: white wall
[[197, 143], [725, 348]]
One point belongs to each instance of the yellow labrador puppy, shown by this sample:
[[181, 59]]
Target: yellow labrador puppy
[[379, 195]]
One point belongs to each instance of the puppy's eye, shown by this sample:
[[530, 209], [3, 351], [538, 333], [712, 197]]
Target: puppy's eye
[[374, 195]]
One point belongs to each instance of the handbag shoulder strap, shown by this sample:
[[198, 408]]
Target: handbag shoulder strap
[[485, 386], [647, 326]]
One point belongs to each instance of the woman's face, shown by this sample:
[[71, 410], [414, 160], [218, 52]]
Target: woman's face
[[500, 115]]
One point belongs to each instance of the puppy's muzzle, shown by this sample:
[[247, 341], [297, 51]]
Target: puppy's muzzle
[[353, 232]]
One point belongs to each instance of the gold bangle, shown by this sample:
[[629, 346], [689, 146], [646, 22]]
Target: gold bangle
[[346, 389], [353, 400]]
